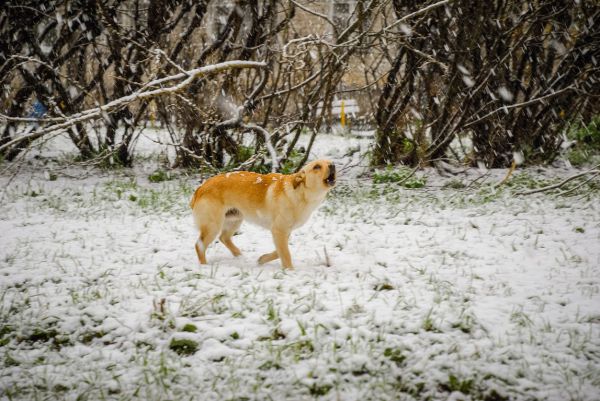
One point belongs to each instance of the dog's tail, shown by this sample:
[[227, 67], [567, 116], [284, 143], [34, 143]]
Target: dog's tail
[[195, 211], [195, 198]]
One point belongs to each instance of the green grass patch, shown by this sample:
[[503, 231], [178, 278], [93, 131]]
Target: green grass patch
[[190, 328], [465, 386], [395, 355], [183, 346], [269, 365], [90, 336], [401, 176], [160, 175], [319, 390], [46, 335]]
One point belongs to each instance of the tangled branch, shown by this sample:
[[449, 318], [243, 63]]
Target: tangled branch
[[187, 78]]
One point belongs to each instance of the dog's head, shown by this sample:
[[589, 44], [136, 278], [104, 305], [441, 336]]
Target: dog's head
[[319, 174]]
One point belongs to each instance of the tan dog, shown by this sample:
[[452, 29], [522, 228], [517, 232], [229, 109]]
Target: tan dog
[[278, 202]]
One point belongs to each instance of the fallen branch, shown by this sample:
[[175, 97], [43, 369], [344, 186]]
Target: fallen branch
[[594, 171], [98, 112], [580, 185], [4, 117]]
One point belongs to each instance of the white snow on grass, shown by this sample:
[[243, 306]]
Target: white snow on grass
[[431, 293]]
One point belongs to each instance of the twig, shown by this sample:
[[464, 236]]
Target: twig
[[484, 175], [327, 260], [410, 175]]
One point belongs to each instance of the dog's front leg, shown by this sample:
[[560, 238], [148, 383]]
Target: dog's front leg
[[268, 257], [280, 238]]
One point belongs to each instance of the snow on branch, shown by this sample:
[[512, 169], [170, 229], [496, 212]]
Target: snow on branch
[[416, 13], [268, 144], [186, 79]]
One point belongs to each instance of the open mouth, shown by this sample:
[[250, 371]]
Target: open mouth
[[330, 180]]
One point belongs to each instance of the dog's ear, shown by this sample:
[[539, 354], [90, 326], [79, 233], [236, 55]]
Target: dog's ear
[[299, 178]]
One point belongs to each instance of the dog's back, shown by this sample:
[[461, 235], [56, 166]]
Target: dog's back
[[231, 188]]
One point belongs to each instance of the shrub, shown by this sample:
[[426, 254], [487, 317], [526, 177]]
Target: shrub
[[587, 141]]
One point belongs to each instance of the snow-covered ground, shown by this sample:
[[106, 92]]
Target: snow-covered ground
[[442, 292]]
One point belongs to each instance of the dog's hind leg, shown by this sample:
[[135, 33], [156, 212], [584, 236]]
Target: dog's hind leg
[[230, 226], [208, 233], [200, 250], [268, 257], [209, 221]]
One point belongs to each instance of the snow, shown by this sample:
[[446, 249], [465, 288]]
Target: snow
[[463, 69], [518, 157], [505, 94], [433, 293], [468, 81], [407, 30]]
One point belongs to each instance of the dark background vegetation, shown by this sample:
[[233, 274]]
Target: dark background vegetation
[[468, 81]]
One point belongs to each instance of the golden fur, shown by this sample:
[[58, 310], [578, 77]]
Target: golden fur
[[277, 202]]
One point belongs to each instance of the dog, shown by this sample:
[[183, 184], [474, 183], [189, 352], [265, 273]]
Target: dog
[[277, 202]]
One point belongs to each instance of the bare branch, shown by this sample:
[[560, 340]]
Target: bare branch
[[269, 145], [308, 10], [416, 13], [523, 104], [139, 95]]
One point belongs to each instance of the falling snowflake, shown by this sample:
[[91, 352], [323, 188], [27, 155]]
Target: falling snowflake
[[518, 157], [468, 81], [505, 93]]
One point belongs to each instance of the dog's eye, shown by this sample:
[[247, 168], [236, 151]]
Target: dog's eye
[[317, 167]]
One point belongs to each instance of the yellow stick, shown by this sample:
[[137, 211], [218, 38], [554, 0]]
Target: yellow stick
[[342, 116], [510, 171]]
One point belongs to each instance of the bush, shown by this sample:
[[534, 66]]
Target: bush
[[587, 142], [292, 162]]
